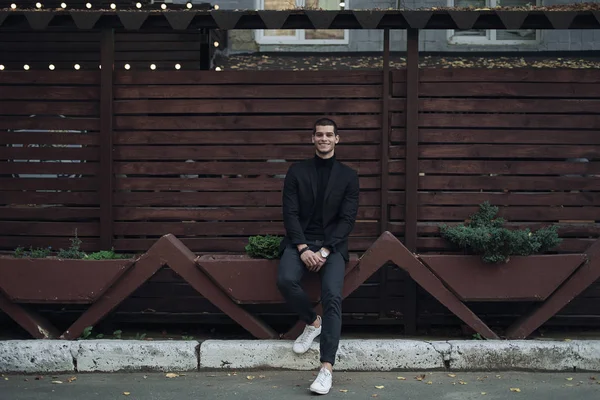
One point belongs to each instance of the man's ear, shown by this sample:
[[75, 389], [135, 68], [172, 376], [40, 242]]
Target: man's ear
[[337, 139], [312, 140]]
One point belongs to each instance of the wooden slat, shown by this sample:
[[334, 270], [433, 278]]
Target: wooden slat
[[513, 199], [254, 198], [511, 167], [90, 198], [535, 121], [560, 106], [56, 242], [239, 137], [48, 213], [216, 184], [217, 228], [49, 123], [216, 213], [251, 92], [48, 153], [53, 108], [192, 106], [79, 184], [507, 151], [49, 228], [169, 168], [87, 138], [491, 89], [519, 183], [249, 77], [49, 92], [85, 168], [361, 152], [565, 229], [156, 46], [550, 75], [512, 214], [503, 136], [566, 246], [71, 77]]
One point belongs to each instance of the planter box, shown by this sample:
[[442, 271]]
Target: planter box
[[51, 280], [531, 278]]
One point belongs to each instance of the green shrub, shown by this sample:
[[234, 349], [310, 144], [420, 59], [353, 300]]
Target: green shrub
[[105, 255], [40, 252], [486, 235], [73, 251], [263, 246]]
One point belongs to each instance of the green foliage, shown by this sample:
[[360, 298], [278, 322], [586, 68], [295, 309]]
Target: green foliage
[[72, 252], [87, 332], [105, 255], [40, 252], [486, 235], [263, 246], [117, 334]]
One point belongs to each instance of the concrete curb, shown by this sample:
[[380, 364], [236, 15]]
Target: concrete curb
[[46, 356]]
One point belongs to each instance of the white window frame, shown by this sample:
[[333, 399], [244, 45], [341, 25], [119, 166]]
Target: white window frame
[[299, 37], [490, 34]]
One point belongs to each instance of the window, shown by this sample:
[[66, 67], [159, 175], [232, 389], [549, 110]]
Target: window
[[492, 36], [301, 36]]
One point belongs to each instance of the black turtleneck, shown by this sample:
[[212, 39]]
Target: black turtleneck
[[314, 230]]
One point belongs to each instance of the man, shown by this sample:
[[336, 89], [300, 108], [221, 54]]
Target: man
[[320, 202]]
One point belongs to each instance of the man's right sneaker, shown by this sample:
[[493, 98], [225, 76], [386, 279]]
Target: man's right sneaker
[[302, 344]]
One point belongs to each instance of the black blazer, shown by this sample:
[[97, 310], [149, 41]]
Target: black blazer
[[339, 209]]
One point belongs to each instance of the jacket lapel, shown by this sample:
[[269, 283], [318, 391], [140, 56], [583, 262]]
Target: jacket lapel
[[333, 177], [313, 179]]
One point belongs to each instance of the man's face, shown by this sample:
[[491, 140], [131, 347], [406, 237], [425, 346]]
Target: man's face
[[325, 140]]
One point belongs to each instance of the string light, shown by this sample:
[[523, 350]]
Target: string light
[[38, 5], [138, 5], [1, 67], [127, 66], [163, 6], [342, 4], [76, 66], [26, 67], [177, 66], [63, 5], [189, 5], [216, 7], [51, 67], [13, 6], [152, 66], [113, 6], [88, 5], [216, 44], [218, 69]]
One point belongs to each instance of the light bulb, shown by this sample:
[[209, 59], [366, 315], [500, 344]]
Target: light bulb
[[342, 4], [38, 5], [216, 6], [1, 67], [100, 66], [63, 5], [76, 66], [218, 69], [113, 6], [88, 5], [177, 66], [189, 5], [163, 6], [51, 67], [216, 44], [13, 6], [127, 66], [138, 5], [152, 66], [26, 67]]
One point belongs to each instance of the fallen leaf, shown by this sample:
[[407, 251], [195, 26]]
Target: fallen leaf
[[126, 393], [515, 390], [569, 384], [274, 387], [567, 340], [462, 382], [374, 395], [71, 379], [262, 376], [401, 378], [171, 375], [5, 379], [483, 393], [569, 379], [429, 383], [250, 377], [39, 378], [420, 377], [55, 382], [344, 390], [593, 378], [452, 375], [379, 387]]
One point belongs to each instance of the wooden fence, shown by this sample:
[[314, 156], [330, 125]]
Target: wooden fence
[[202, 155]]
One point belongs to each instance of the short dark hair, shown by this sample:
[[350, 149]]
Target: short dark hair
[[325, 122]]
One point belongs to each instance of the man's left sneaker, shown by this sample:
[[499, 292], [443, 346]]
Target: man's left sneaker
[[322, 384]]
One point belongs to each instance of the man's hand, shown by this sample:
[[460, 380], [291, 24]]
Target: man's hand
[[312, 260]]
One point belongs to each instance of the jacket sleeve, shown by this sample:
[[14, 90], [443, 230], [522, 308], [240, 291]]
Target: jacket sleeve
[[291, 218], [346, 215]]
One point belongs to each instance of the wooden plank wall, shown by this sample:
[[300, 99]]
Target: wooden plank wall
[[47, 117]]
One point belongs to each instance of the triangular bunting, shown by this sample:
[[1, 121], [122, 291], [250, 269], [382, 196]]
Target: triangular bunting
[[226, 20], [274, 19], [85, 19], [417, 19], [179, 20], [464, 19], [38, 19], [512, 19], [321, 19], [132, 20], [561, 19], [3, 15], [368, 19]]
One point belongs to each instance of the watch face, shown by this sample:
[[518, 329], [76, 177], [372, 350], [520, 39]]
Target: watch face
[[324, 253]]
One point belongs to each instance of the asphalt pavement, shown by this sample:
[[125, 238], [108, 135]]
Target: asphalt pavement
[[290, 385]]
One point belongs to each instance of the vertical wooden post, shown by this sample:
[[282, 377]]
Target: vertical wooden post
[[107, 58], [205, 50], [412, 171], [385, 170]]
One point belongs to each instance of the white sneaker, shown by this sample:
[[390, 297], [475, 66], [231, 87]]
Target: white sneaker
[[322, 384], [302, 344]]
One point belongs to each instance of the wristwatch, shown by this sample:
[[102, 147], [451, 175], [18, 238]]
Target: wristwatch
[[324, 253]]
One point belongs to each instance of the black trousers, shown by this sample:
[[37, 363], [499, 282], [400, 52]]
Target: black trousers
[[290, 273]]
